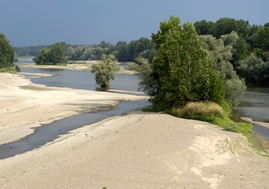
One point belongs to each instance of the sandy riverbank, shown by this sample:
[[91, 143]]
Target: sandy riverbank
[[25, 105], [138, 150]]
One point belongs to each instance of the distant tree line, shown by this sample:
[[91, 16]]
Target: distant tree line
[[123, 51], [29, 51], [236, 47]]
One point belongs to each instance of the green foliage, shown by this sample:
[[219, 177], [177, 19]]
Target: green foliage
[[222, 54], [254, 69], [52, 55], [204, 27], [182, 70], [6, 55], [133, 66], [227, 25], [260, 39], [105, 70], [147, 83], [29, 51], [252, 39], [234, 89]]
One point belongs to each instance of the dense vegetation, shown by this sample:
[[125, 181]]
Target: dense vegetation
[[30, 51], [182, 69], [191, 74], [51, 55], [6, 55], [249, 46]]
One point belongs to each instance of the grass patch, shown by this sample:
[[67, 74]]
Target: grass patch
[[212, 113], [199, 109], [11, 69], [218, 115]]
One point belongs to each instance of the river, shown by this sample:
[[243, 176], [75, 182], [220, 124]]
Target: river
[[72, 79], [255, 105]]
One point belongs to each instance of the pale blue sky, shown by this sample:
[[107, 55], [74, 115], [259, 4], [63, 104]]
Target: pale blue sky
[[43, 22]]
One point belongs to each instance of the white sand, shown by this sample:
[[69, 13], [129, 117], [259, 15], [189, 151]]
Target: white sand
[[25, 105], [139, 150]]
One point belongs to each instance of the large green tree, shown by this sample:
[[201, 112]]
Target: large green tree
[[6, 54], [52, 55], [182, 70], [105, 70]]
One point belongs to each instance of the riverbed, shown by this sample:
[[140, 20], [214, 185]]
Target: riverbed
[[254, 104], [34, 114]]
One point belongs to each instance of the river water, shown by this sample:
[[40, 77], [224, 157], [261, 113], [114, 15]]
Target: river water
[[78, 80], [51, 131], [255, 105]]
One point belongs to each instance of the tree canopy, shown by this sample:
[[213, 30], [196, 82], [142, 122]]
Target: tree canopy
[[250, 48], [105, 70], [6, 54], [51, 55], [182, 70], [220, 51]]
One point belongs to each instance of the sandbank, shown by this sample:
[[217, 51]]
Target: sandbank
[[140, 150], [137, 150], [25, 105]]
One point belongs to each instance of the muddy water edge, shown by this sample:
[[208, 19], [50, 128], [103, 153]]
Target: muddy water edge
[[254, 108]]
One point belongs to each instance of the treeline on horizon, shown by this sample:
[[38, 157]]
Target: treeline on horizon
[[244, 46]]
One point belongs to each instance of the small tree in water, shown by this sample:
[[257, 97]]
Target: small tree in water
[[105, 71]]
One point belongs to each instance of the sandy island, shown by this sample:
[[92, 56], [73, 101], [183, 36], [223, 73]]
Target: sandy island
[[138, 150]]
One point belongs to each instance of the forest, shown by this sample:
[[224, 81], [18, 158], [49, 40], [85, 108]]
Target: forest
[[233, 44]]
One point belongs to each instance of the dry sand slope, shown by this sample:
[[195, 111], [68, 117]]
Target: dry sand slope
[[138, 150]]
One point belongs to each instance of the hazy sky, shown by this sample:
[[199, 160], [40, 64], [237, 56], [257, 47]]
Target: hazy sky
[[43, 22]]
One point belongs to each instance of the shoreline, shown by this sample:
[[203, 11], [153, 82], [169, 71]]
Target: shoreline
[[260, 123], [78, 65], [25, 105], [135, 150]]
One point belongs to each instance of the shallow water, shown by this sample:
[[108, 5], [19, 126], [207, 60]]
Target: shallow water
[[72, 79], [51, 131], [255, 105], [78, 79]]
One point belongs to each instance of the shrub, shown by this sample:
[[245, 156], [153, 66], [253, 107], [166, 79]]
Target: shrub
[[199, 109], [212, 113], [133, 66], [234, 89]]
